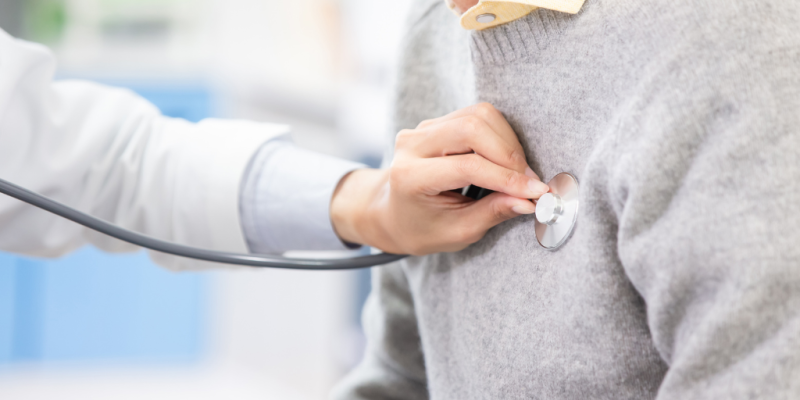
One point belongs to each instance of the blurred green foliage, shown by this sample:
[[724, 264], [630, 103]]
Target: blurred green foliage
[[45, 20]]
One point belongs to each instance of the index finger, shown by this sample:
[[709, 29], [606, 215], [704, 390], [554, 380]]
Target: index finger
[[448, 173], [489, 114], [467, 135]]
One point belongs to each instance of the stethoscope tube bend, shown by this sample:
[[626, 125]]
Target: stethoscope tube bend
[[175, 249]]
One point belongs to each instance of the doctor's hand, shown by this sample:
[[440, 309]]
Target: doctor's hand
[[410, 208]]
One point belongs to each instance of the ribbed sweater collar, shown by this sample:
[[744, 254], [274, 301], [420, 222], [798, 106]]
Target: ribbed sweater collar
[[520, 39]]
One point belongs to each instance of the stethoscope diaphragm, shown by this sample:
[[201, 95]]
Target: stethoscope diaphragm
[[557, 211]]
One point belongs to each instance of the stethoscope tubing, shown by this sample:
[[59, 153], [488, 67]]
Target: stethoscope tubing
[[138, 239]]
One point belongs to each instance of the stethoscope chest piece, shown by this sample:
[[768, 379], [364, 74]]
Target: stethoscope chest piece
[[557, 211]]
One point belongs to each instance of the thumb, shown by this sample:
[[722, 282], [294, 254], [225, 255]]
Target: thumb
[[496, 208]]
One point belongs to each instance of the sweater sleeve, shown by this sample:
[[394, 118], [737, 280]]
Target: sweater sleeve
[[393, 365], [706, 185]]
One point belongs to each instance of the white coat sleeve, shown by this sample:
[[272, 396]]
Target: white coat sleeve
[[110, 153]]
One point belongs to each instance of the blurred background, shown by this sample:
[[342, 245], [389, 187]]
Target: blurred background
[[102, 326]]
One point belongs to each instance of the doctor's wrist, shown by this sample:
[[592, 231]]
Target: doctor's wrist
[[350, 205]]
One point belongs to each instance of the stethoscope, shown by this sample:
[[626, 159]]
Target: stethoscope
[[556, 211], [556, 214]]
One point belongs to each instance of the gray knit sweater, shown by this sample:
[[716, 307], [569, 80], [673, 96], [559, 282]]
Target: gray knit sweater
[[681, 120]]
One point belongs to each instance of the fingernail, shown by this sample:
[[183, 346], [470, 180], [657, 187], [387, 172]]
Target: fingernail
[[529, 172], [537, 187], [524, 210]]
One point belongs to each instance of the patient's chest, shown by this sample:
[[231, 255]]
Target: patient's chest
[[563, 324], [510, 318]]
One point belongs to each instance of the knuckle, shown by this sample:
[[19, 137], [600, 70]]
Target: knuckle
[[403, 138], [471, 125], [513, 179], [515, 158], [468, 165], [425, 123], [485, 111]]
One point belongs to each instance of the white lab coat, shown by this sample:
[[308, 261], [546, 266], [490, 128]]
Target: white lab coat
[[110, 153]]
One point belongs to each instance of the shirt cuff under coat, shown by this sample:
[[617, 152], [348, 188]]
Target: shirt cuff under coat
[[285, 199]]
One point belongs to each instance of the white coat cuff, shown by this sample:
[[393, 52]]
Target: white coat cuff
[[286, 199]]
